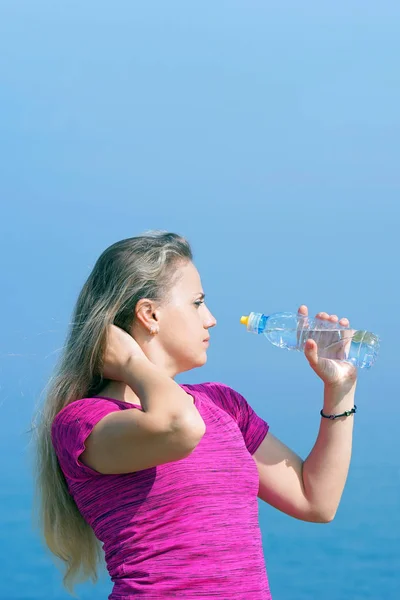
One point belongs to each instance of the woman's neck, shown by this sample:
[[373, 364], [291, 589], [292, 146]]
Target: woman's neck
[[119, 391]]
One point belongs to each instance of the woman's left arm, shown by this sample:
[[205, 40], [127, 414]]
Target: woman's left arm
[[310, 490]]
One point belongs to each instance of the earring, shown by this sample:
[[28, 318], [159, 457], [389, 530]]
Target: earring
[[154, 330]]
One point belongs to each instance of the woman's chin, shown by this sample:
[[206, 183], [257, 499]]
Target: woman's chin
[[193, 364], [200, 361], [203, 360]]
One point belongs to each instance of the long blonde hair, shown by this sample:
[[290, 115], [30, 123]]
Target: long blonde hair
[[135, 268]]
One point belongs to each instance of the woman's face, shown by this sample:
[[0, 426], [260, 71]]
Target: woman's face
[[184, 323]]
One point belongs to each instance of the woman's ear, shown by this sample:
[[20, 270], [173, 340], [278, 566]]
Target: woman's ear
[[146, 313]]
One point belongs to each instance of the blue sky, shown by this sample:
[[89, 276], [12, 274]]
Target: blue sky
[[267, 134]]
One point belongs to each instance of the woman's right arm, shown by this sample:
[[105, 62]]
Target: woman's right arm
[[167, 429]]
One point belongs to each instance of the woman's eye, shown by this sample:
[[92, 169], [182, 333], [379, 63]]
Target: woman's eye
[[199, 303]]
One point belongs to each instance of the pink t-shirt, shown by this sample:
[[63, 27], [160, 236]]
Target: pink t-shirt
[[186, 529]]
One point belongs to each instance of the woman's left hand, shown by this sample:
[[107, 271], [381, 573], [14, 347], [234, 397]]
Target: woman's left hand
[[333, 372]]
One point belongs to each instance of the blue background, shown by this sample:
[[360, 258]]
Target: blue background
[[266, 133]]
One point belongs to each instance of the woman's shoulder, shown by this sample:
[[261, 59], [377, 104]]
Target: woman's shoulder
[[215, 391], [81, 406], [83, 413], [207, 387]]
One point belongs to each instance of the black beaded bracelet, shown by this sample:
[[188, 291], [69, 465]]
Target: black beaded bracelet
[[346, 413]]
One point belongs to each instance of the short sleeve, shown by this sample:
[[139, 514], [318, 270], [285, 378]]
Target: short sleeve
[[253, 427], [70, 429]]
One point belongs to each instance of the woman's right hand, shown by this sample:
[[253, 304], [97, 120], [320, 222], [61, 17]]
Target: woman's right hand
[[121, 349]]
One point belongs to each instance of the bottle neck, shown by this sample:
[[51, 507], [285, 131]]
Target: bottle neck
[[257, 323]]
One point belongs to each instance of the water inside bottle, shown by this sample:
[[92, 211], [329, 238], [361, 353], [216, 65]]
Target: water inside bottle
[[357, 346]]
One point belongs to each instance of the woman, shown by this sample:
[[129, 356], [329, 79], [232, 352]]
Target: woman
[[166, 476]]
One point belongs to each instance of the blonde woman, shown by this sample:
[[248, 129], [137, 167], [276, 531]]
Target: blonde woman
[[164, 478]]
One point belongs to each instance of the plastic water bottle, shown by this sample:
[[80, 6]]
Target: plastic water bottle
[[291, 331]]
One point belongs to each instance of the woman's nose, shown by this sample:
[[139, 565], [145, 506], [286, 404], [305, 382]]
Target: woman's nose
[[211, 321]]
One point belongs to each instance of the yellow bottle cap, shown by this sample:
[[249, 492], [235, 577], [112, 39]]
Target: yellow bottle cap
[[244, 320]]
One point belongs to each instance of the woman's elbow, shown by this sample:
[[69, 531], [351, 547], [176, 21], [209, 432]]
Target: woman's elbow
[[323, 516]]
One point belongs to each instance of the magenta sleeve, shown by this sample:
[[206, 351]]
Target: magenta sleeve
[[252, 426], [71, 428]]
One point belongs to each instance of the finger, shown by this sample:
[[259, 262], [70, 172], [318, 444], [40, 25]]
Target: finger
[[345, 337], [302, 320], [322, 315], [303, 310], [311, 352], [334, 318]]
